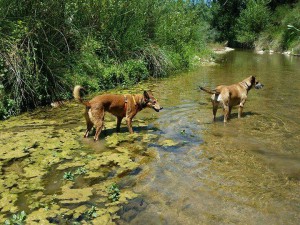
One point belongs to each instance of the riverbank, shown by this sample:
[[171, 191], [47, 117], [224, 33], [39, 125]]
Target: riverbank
[[222, 50], [289, 53]]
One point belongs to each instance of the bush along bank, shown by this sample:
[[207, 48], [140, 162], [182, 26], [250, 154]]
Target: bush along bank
[[263, 25], [283, 32], [97, 44]]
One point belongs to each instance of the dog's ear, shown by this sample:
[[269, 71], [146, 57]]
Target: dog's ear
[[146, 95], [253, 79]]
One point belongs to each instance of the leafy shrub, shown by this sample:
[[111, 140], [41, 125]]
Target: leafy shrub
[[282, 33], [100, 44], [8, 106], [135, 71], [253, 20]]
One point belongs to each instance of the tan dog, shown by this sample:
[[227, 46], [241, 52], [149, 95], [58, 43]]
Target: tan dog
[[119, 105], [232, 95]]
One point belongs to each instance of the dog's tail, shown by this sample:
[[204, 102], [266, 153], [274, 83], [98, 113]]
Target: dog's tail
[[209, 91], [77, 95]]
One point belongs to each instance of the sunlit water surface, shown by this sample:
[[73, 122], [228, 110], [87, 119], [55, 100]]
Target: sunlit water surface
[[244, 172]]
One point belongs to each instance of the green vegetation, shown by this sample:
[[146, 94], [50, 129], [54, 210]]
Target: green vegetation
[[91, 213], [49, 46], [252, 20], [261, 24], [282, 33], [113, 193], [16, 219], [182, 132], [69, 176], [80, 171]]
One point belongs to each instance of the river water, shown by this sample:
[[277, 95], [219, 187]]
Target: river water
[[179, 168], [244, 172]]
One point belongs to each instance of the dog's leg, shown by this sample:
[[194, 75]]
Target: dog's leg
[[229, 113], [215, 104], [89, 126], [226, 111], [99, 127], [129, 125], [89, 123], [98, 116], [119, 120], [241, 107], [215, 109]]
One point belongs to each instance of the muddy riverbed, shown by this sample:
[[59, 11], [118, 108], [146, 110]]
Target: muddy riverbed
[[178, 168]]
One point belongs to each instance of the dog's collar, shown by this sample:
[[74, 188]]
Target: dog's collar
[[248, 87]]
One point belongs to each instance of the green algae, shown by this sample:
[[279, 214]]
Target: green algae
[[114, 140], [7, 202], [71, 196], [70, 165], [168, 143], [38, 147]]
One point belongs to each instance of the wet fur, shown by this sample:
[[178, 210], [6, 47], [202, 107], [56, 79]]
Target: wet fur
[[231, 95], [115, 104]]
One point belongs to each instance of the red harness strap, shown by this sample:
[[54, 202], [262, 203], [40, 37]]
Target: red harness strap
[[125, 105]]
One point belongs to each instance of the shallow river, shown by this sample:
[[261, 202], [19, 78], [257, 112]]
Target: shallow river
[[244, 172], [178, 168]]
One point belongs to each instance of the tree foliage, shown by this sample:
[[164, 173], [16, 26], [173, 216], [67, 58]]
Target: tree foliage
[[48, 46], [252, 21], [261, 24]]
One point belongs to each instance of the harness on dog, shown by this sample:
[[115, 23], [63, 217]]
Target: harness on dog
[[247, 86], [126, 101], [133, 99], [125, 105]]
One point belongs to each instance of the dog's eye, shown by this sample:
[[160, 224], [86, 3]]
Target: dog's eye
[[154, 102]]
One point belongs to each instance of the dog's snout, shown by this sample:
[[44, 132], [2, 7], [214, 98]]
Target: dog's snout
[[161, 108], [258, 85]]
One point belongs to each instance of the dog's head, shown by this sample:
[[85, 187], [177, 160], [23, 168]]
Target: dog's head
[[253, 82], [258, 85], [151, 102]]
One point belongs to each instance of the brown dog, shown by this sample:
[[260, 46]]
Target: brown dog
[[119, 105], [232, 95]]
